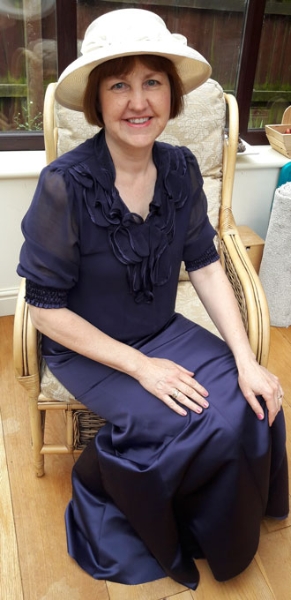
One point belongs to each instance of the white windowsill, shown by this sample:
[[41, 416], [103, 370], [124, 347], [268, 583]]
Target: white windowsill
[[263, 157], [28, 164], [21, 164]]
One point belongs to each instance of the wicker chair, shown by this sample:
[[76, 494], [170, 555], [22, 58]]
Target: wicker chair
[[202, 128]]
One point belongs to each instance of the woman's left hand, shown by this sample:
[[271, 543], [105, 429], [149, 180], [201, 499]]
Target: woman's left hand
[[255, 380], [216, 293]]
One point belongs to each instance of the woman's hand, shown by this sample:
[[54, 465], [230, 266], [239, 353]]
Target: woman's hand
[[217, 295], [254, 380], [174, 385]]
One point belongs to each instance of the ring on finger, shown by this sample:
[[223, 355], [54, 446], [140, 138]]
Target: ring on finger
[[175, 394], [280, 397]]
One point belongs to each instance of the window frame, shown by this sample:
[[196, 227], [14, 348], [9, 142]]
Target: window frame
[[247, 70], [66, 23]]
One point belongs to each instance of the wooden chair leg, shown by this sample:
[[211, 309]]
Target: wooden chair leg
[[69, 432], [37, 436]]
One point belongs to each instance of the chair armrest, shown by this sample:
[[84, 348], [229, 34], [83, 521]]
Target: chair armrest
[[26, 346], [249, 293], [238, 267]]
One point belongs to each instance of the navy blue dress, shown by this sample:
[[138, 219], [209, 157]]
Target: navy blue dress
[[154, 490]]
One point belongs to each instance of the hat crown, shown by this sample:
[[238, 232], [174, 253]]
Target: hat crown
[[126, 26], [129, 32]]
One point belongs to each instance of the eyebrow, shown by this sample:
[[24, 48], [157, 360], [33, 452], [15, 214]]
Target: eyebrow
[[147, 75]]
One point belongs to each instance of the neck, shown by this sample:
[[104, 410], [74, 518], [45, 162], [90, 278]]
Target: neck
[[128, 159]]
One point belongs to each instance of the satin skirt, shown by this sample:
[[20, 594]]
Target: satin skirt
[[155, 490]]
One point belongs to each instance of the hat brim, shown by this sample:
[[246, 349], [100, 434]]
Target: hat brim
[[191, 66]]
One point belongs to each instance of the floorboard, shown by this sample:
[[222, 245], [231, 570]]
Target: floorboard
[[35, 561], [10, 580]]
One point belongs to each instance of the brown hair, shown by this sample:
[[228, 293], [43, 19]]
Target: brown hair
[[123, 66]]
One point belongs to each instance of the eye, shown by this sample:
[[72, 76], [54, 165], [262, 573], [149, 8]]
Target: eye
[[118, 86], [152, 83]]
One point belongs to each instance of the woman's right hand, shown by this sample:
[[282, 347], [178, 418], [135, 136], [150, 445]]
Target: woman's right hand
[[173, 384], [168, 381]]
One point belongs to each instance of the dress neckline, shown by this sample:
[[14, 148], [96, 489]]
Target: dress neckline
[[142, 245]]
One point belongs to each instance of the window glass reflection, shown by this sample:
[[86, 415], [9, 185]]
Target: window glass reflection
[[272, 87], [27, 61]]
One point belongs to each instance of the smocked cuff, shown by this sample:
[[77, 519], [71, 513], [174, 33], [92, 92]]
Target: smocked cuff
[[45, 297], [211, 255]]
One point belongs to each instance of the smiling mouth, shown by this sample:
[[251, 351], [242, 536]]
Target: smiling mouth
[[139, 121]]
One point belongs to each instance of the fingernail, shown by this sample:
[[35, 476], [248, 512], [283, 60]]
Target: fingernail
[[205, 404], [260, 416]]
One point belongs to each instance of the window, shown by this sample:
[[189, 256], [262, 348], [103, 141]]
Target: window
[[28, 63], [263, 88], [247, 42]]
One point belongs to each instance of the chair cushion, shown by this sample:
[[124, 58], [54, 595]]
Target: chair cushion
[[72, 128], [51, 388], [201, 128]]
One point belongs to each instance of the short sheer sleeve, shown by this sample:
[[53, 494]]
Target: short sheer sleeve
[[50, 256], [199, 248]]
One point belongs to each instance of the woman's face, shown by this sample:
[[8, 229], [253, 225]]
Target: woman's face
[[135, 107]]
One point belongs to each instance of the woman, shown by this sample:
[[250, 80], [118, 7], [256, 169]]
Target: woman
[[191, 457]]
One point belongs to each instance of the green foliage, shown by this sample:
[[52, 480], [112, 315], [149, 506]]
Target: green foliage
[[26, 122], [10, 79]]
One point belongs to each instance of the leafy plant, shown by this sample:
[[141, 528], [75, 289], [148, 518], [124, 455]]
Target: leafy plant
[[26, 122]]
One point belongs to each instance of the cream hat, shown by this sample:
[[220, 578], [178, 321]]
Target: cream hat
[[124, 32]]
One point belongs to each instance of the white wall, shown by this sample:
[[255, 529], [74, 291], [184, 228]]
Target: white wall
[[255, 182], [18, 178]]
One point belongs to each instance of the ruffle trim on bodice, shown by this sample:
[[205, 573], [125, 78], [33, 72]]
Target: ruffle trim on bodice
[[141, 245]]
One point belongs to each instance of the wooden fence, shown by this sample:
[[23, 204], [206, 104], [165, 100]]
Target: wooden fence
[[214, 28]]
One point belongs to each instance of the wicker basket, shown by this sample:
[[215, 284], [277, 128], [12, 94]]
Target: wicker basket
[[278, 139], [86, 425]]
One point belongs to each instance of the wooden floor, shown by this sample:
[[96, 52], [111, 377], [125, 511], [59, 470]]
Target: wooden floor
[[34, 564]]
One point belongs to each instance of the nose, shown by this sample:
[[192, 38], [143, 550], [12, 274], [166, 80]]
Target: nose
[[138, 99]]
